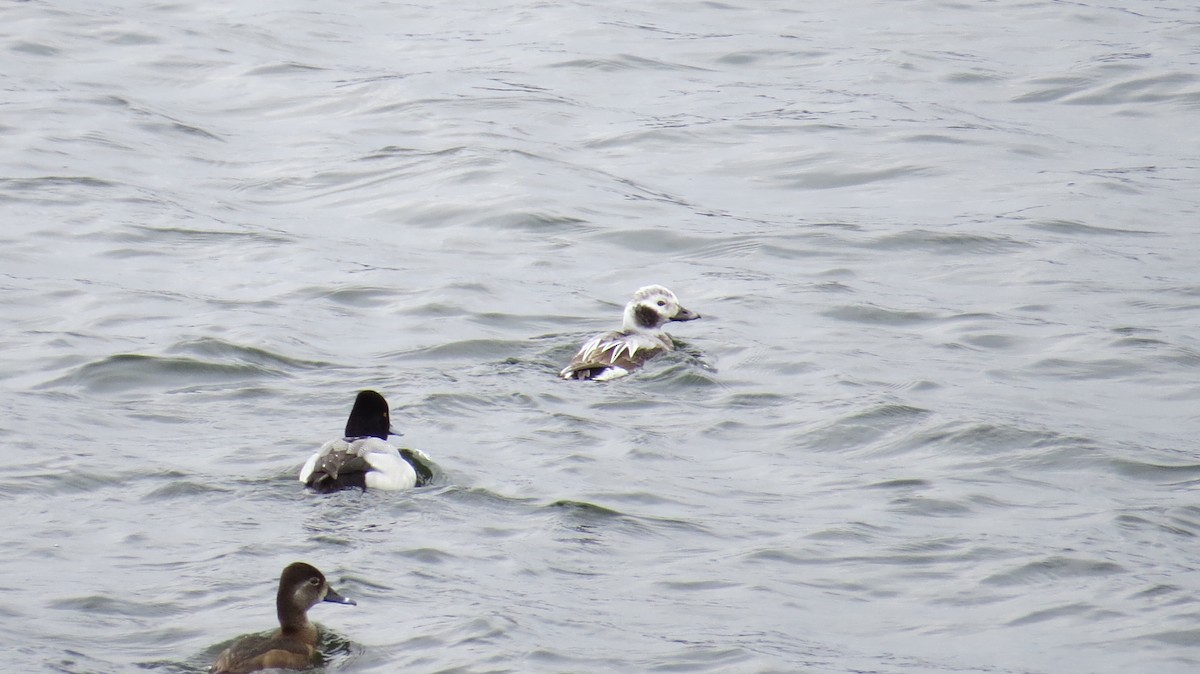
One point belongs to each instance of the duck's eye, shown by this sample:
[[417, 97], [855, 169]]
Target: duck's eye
[[662, 303], [314, 581]]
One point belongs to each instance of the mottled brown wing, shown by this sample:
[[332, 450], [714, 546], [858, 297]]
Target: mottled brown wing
[[334, 464], [339, 470], [602, 360]]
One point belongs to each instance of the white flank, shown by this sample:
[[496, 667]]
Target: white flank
[[389, 471], [309, 465], [611, 372]]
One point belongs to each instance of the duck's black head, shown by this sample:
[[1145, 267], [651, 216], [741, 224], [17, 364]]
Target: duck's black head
[[369, 417]]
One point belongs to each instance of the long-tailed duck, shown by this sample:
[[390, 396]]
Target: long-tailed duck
[[294, 644], [364, 458], [617, 353]]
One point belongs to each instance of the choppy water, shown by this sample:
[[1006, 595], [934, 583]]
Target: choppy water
[[940, 415]]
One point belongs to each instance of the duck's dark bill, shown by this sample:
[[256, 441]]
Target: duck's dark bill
[[685, 315], [336, 598]]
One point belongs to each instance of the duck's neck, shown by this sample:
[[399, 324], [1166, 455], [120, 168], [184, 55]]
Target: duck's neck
[[291, 624], [293, 620]]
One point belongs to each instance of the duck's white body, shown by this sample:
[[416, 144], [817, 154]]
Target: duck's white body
[[364, 459], [381, 461], [617, 353]]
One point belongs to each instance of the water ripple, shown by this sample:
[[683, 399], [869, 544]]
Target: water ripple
[[124, 372]]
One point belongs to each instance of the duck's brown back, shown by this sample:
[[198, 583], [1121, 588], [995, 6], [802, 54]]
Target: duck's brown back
[[252, 653]]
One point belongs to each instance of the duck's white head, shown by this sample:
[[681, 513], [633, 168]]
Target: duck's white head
[[652, 307]]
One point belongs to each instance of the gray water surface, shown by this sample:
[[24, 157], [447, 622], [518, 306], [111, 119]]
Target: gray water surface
[[940, 414]]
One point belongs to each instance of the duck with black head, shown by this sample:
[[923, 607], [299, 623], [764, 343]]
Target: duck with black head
[[364, 458], [294, 644], [641, 337]]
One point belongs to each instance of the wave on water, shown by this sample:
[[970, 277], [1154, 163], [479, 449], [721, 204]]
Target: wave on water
[[202, 363], [125, 372]]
